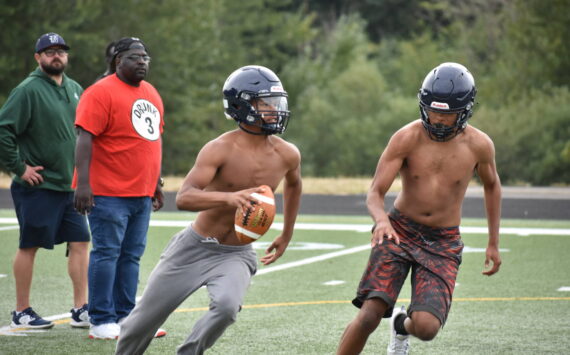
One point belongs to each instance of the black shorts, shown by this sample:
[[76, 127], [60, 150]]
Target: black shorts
[[433, 255], [47, 217]]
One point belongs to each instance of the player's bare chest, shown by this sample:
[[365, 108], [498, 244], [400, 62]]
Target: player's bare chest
[[455, 160], [253, 170]]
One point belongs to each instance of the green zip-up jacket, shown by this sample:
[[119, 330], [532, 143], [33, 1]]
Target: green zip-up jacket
[[37, 127]]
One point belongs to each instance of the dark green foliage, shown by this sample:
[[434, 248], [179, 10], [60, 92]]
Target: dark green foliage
[[352, 69]]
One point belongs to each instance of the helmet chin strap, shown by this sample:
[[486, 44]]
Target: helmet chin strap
[[242, 125], [439, 132]]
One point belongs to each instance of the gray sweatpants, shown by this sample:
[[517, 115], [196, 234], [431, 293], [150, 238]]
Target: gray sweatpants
[[188, 262]]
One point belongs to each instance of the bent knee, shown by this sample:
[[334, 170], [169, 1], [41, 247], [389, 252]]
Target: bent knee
[[226, 310], [426, 331], [368, 322], [425, 326]]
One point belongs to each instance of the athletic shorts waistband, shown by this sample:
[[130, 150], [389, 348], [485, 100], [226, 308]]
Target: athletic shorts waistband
[[213, 243], [409, 224]]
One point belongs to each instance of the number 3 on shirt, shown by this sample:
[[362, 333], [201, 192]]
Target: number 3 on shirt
[[146, 119]]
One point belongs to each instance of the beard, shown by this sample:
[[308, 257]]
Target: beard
[[53, 68]]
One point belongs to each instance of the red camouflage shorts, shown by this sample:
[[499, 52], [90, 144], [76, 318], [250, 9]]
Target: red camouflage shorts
[[433, 254]]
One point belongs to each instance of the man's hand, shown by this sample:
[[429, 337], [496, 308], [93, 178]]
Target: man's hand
[[243, 199], [279, 245], [32, 176], [158, 198], [83, 199], [492, 255], [383, 229]]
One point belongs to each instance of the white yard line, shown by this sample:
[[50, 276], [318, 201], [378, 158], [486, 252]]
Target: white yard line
[[358, 227], [313, 259]]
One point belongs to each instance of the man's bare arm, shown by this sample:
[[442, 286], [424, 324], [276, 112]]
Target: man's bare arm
[[83, 199], [388, 167], [193, 197], [487, 171], [292, 188]]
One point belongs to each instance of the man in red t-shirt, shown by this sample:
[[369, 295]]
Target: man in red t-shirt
[[118, 159]]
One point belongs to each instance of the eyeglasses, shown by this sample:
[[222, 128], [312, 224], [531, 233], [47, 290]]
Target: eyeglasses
[[51, 52], [137, 57]]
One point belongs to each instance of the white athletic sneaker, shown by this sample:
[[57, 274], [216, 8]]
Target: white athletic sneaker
[[399, 344], [104, 331]]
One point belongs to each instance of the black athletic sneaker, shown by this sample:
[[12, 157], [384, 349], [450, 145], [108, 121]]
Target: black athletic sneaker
[[29, 319]]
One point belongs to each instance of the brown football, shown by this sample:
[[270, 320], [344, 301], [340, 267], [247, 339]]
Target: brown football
[[255, 223]]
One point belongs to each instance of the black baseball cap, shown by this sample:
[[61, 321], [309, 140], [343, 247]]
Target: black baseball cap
[[50, 39]]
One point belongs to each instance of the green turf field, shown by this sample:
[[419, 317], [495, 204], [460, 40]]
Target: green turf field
[[303, 309]]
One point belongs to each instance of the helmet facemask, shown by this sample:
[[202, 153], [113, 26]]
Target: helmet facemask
[[440, 132], [269, 112]]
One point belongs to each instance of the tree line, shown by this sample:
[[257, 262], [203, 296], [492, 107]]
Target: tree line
[[352, 69]]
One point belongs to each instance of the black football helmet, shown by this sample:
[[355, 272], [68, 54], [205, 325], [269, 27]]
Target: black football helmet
[[254, 96], [448, 88]]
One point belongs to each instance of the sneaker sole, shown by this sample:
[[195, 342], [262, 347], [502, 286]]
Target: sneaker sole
[[25, 326], [80, 324]]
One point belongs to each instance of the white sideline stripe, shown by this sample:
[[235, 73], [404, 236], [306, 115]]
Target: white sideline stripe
[[9, 228], [564, 289], [360, 227], [367, 227], [313, 259], [246, 232], [263, 198]]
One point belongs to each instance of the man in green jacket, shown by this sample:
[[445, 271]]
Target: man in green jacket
[[37, 143]]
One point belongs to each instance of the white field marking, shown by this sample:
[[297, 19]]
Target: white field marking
[[9, 331], [9, 228], [19, 332], [334, 282], [313, 259], [12, 220], [360, 227], [3, 275], [564, 289], [467, 249], [300, 246]]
